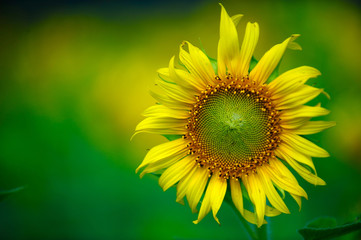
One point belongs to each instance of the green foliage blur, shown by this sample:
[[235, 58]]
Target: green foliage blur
[[75, 77]]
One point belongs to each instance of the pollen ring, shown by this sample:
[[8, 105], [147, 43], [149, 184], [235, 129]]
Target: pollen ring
[[233, 127]]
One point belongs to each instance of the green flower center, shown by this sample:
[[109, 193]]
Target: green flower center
[[234, 128]]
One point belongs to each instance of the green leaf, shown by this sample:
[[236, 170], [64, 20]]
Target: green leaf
[[214, 64], [275, 73], [172, 137], [323, 222], [4, 194], [253, 63], [326, 228]]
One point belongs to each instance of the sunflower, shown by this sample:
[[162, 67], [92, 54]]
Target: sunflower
[[232, 129]]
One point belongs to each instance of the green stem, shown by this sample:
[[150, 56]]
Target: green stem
[[258, 234], [262, 232], [244, 222]]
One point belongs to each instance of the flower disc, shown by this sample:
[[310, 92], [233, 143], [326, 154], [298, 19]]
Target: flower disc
[[233, 128]]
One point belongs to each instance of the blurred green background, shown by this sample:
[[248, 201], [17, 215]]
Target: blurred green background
[[75, 77]]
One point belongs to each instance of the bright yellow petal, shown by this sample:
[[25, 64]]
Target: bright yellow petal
[[304, 112], [196, 187], [163, 111], [176, 92], [197, 63], [313, 127], [289, 81], [182, 78], [237, 198], [182, 186], [177, 171], [164, 150], [283, 178], [164, 163], [293, 123], [271, 193], [257, 195], [303, 95], [219, 191], [228, 46], [157, 125], [285, 148], [270, 60], [236, 192], [207, 200], [248, 45], [213, 197], [304, 173], [169, 102], [303, 145]]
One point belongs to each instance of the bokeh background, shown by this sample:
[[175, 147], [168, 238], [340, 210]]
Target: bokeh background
[[75, 77]]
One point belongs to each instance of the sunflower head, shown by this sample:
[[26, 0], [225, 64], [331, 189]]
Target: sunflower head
[[233, 128]]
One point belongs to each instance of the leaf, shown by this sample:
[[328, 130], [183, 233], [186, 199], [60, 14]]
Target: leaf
[[323, 222], [171, 137], [275, 72], [4, 194], [214, 64], [326, 228], [253, 63]]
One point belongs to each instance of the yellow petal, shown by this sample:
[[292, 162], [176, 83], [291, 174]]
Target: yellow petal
[[304, 173], [289, 81], [236, 19], [237, 198], [285, 148], [196, 187], [219, 191], [164, 150], [271, 212], [303, 95], [313, 127], [182, 186], [298, 200], [303, 145], [163, 111], [257, 195], [228, 46], [184, 78], [236, 192], [169, 102], [213, 197], [271, 193], [248, 45], [207, 200], [176, 92], [160, 125], [304, 112], [177, 171], [283, 178], [293, 123], [164, 163], [270, 60], [197, 63]]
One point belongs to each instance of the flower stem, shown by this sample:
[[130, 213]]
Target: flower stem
[[258, 234], [244, 222], [262, 232]]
